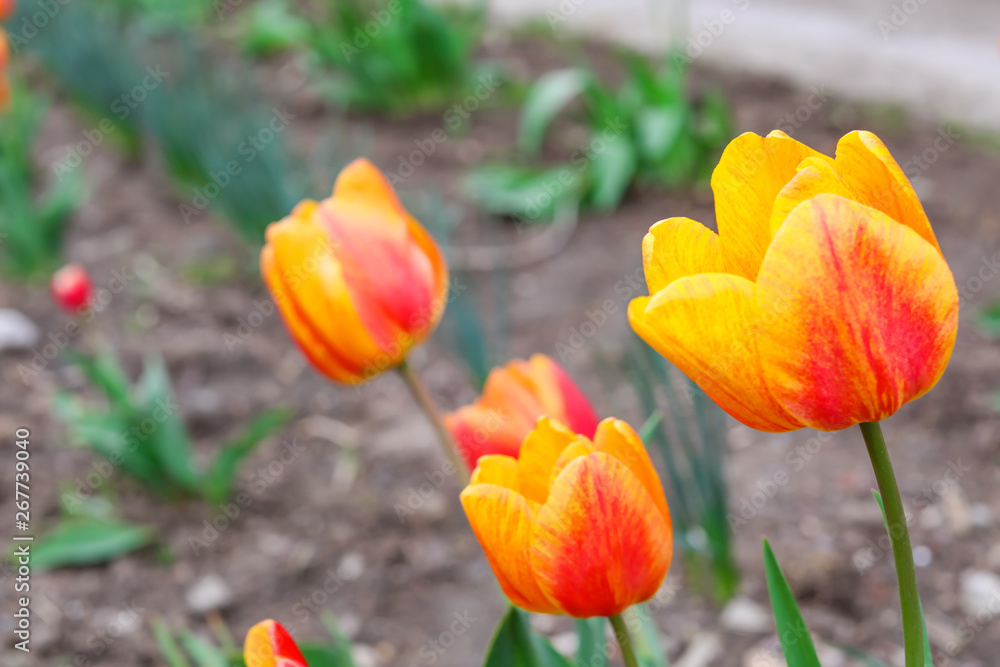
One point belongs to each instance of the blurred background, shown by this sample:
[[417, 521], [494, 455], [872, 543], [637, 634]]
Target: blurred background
[[151, 142]]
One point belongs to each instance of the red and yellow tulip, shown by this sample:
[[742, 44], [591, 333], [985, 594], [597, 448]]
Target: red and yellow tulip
[[358, 281], [268, 644], [4, 58], [513, 399], [573, 526], [823, 301]]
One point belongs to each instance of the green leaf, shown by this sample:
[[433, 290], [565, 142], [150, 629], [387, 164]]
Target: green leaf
[[928, 658], [203, 653], [658, 130], [85, 541], [340, 648], [271, 26], [593, 645], [169, 442], [550, 94], [319, 655], [168, 645], [534, 194], [515, 644], [611, 170], [218, 482], [796, 643]]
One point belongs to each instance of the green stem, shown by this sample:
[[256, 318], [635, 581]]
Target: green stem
[[621, 634], [899, 536], [434, 416]]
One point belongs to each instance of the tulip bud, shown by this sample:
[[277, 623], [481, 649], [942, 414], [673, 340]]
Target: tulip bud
[[358, 281], [268, 644], [71, 288]]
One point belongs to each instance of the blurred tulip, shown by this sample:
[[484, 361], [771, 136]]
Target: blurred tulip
[[573, 526], [513, 399], [358, 281], [71, 288], [7, 9], [823, 301], [268, 644], [4, 58]]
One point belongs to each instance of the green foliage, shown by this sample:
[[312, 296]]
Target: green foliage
[[272, 26], [592, 647], [399, 56], [515, 644], [988, 320], [90, 53], [646, 131], [222, 146], [186, 649], [796, 642], [645, 638], [141, 431], [688, 434], [87, 541], [31, 229]]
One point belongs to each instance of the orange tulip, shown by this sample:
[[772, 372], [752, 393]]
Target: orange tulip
[[514, 397], [268, 644], [4, 58], [7, 9], [823, 301], [358, 281], [573, 526]]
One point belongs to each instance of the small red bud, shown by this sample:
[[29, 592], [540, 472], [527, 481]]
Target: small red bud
[[71, 287]]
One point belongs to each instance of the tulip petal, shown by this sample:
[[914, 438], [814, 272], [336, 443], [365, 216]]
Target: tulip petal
[[574, 451], [498, 470], [862, 314], [539, 452], [394, 277], [502, 521], [560, 396], [616, 438], [874, 178], [815, 177], [751, 173], [313, 296], [479, 430], [705, 325], [268, 644], [679, 247], [600, 543]]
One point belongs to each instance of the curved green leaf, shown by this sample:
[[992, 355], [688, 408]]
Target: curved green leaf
[[87, 541], [796, 643], [550, 94]]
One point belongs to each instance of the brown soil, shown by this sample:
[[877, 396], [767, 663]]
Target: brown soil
[[359, 452]]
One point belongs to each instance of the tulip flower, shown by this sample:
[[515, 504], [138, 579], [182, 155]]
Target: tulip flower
[[7, 9], [513, 399], [358, 281], [268, 644], [71, 288], [4, 57], [573, 526], [823, 301]]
